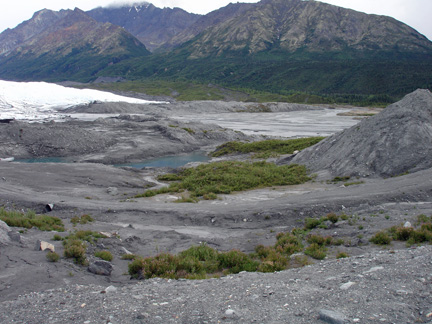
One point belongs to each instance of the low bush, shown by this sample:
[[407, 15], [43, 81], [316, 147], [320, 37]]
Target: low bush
[[75, 249], [311, 223], [288, 243], [381, 238], [104, 255], [235, 261], [316, 251], [320, 240], [52, 256], [332, 217]]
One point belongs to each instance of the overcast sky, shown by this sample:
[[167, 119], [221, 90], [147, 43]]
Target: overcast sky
[[416, 13]]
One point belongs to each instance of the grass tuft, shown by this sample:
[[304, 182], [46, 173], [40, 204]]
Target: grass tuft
[[30, 219]]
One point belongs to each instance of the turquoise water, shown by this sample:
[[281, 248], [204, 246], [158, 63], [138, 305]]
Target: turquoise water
[[169, 161], [174, 161]]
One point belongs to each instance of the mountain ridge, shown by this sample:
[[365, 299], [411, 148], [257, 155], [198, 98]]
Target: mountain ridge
[[273, 45]]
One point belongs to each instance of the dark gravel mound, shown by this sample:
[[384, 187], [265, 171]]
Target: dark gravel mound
[[396, 141]]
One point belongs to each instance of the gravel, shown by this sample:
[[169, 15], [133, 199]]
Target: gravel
[[391, 286]]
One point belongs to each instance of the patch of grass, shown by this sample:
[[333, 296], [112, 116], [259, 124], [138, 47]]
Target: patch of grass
[[268, 147], [57, 237], [128, 257], [52, 256], [84, 219], [104, 255], [30, 219], [230, 176], [339, 179], [189, 130], [342, 255], [86, 235], [347, 184]]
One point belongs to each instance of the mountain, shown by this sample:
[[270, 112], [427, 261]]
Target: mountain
[[12, 38], [281, 46], [291, 25], [212, 19], [152, 26], [70, 45]]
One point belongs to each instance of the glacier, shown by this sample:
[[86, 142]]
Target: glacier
[[40, 100]]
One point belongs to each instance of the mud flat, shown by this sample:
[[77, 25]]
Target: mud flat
[[391, 285]]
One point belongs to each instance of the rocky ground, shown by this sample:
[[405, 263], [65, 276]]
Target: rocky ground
[[374, 285]]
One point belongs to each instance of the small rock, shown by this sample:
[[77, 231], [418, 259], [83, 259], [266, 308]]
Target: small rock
[[15, 236], [230, 312], [332, 317], [42, 246], [111, 289], [113, 191], [347, 285], [407, 225], [374, 269], [103, 268]]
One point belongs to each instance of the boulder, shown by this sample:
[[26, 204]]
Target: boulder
[[4, 233], [42, 246], [102, 268]]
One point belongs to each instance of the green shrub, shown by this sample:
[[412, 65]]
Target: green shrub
[[204, 254], [271, 260], [311, 223], [332, 217], [163, 266], [76, 249], [316, 251], [288, 243], [402, 233], [320, 240], [104, 255], [381, 238], [52, 256], [235, 261]]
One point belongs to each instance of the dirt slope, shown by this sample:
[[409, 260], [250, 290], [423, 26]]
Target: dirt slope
[[396, 141]]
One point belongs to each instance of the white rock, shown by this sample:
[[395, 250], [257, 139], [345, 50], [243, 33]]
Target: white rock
[[347, 285]]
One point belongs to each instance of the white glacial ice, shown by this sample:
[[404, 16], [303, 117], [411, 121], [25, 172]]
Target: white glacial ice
[[36, 100]]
